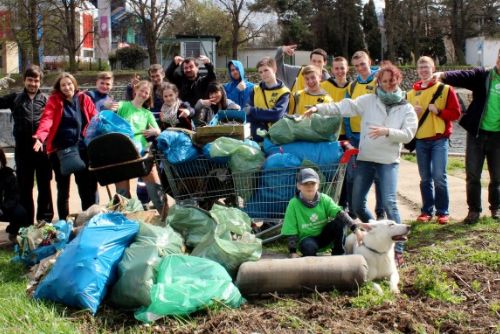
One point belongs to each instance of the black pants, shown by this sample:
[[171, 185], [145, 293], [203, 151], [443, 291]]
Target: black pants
[[333, 232], [28, 164], [484, 147], [17, 217], [85, 180]]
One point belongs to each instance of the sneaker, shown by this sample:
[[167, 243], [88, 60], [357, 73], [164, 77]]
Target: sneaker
[[472, 217], [424, 218], [398, 257], [443, 219], [495, 214], [380, 215]]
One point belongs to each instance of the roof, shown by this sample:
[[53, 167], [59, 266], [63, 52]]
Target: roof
[[217, 38]]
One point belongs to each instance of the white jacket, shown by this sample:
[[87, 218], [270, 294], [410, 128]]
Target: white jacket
[[401, 120]]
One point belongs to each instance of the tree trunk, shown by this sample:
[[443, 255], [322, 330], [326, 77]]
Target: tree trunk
[[234, 47], [33, 32], [151, 43]]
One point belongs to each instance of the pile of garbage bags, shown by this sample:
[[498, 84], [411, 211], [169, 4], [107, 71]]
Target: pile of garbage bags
[[116, 255]]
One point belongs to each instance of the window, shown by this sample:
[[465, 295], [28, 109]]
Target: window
[[192, 49]]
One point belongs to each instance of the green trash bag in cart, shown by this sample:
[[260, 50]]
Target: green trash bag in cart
[[231, 243], [245, 159], [318, 128], [136, 270], [186, 284]]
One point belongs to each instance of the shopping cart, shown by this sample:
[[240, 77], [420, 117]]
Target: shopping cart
[[262, 194]]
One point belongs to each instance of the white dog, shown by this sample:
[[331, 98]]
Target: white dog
[[378, 250]]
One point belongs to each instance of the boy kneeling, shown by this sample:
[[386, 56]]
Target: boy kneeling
[[313, 221]]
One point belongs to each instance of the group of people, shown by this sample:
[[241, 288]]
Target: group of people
[[378, 118]]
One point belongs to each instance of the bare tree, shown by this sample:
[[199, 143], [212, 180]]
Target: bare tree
[[243, 30], [26, 27], [63, 23], [152, 16]]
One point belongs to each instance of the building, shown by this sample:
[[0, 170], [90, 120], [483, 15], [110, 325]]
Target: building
[[481, 51]]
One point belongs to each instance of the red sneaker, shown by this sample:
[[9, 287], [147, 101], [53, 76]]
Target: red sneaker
[[443, 219], [424, 218]]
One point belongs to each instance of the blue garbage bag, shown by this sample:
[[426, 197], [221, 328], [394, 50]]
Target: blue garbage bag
[[319, 153], [277, 185], [57, 240], [176, 146], [87, 267], [106, 122]]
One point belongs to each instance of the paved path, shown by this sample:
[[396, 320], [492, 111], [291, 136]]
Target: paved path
[[408, 194]]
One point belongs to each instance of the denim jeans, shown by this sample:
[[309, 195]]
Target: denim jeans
[[485, 146], [432, 158], [366, 174]]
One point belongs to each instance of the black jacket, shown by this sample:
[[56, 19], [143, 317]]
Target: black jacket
[[190, 90], [9, 195], [25, 112], [477, 80]]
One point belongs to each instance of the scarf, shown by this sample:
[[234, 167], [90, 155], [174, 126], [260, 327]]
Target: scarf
[[168, 114], [309, 204], [390, 99]]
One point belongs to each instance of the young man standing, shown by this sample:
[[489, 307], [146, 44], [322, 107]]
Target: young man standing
[[100, 95], [291, 74], [437, 107], [269, 99], [336, 86], [27, 108], [482, 123], [311, 95], [365, 83]]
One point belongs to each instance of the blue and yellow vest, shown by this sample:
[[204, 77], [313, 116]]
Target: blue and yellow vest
[[337, 93], [355, 90], [302, 100]]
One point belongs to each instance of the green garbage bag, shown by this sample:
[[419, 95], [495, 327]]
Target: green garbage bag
[[191, 222], [136, 270], [315, 129], [231, 243], [245, 160], [186, 284]]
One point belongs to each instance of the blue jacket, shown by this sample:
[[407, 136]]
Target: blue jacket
[[241, 98]]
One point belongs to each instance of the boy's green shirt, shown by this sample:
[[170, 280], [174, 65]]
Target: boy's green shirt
[[308, 222]]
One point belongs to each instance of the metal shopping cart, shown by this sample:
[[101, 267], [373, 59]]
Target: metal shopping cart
[[262, 194]]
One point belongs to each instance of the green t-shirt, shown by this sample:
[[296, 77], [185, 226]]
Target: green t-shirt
[[491, 118], [139, 118], [308, 222]]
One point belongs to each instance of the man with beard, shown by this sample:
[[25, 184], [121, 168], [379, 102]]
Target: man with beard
[[27, 108], [184, 73]]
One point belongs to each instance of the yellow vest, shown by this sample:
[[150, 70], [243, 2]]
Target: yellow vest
[[433, 124], [299, 83], [267, 98], [355, 90], [302, 100], [337, 93]]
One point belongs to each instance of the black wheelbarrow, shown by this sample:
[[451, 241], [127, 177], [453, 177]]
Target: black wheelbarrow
[[114, 158]]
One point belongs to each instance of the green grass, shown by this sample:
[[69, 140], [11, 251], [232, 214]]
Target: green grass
[[456, 165], [457, 243], [435, 284], [433, 251], [368, 297]]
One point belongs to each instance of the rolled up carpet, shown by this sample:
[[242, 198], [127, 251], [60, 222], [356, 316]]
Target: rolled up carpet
[[323, 273]]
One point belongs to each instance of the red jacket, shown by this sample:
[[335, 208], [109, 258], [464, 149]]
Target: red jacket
[[449, 114], [51, 117]]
